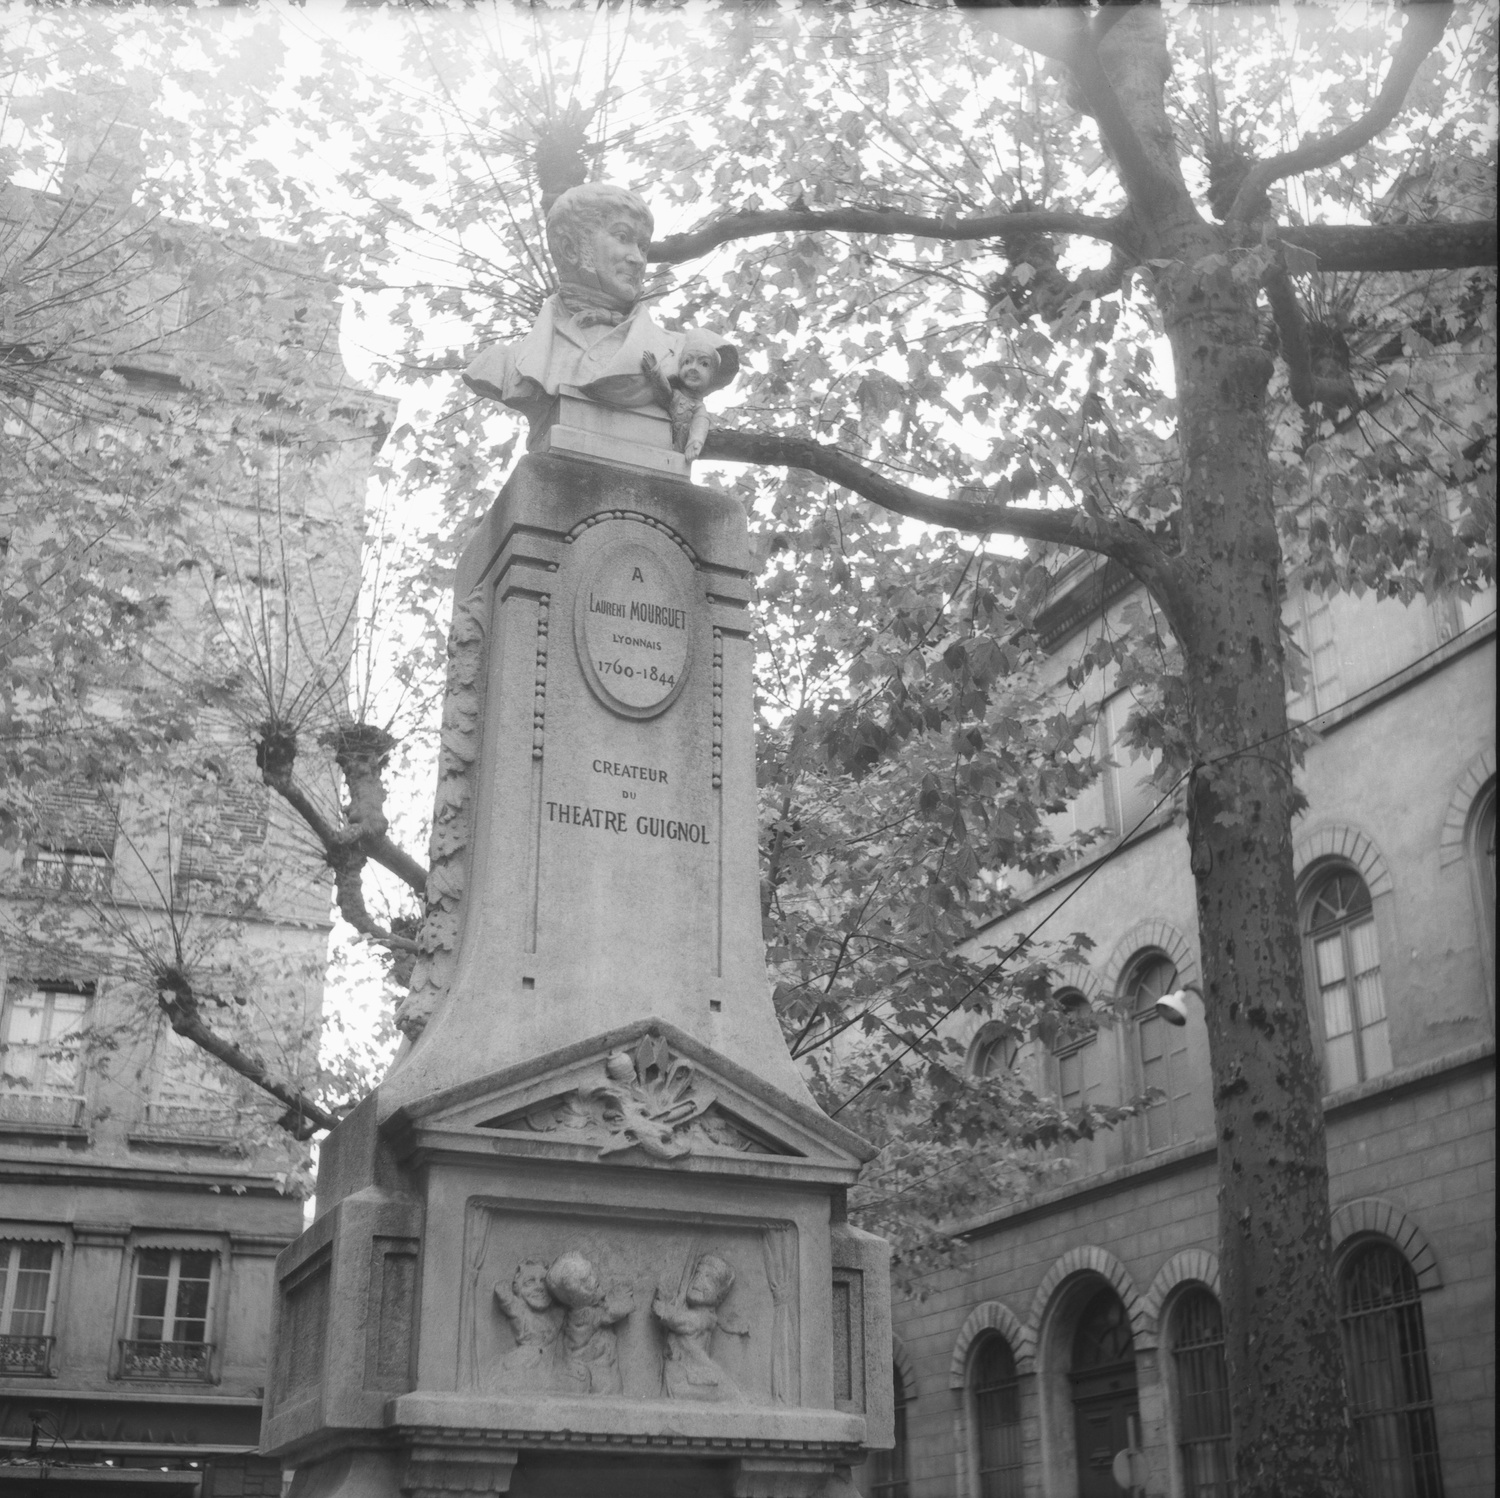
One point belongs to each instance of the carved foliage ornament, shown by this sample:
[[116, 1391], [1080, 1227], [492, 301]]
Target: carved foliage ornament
[[644, 1098]]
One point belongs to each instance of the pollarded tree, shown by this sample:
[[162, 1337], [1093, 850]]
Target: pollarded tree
[[179, 574]]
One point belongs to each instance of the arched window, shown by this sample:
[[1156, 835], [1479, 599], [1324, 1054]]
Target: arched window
[[1163, 1050], [1197, 1343], [1482, 865], [888, 1469], [1073, 1048], [1346, 972], [1390, 1388], [997, 1419], [994, 1052]]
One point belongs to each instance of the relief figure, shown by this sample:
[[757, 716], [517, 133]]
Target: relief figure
[[689, 1322], [536, 1320], [588, 1362]]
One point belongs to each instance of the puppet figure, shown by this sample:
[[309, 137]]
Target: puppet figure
[[703, 364]]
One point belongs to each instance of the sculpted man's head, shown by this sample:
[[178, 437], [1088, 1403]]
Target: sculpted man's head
[[597, 236]]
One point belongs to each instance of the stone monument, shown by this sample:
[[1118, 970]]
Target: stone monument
[[588, 1237]]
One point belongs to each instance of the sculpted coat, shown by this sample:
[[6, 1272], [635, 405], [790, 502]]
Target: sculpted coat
[[603, 361]]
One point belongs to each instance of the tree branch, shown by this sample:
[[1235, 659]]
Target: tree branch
[[676, 248], [383, 851], [180, 1004], [978, 516], [1425, 22], [1396, 247], [1144, 182]]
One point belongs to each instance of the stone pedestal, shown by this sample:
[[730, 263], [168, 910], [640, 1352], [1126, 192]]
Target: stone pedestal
[[587, 1236]]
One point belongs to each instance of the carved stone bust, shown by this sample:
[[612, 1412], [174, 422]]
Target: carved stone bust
[[593, 331]]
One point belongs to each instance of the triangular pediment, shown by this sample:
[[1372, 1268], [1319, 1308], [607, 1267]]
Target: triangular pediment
[[646, 1094]]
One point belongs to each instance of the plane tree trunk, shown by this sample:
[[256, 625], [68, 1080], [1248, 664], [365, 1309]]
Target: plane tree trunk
[[1291, 1429], [1223, 594]]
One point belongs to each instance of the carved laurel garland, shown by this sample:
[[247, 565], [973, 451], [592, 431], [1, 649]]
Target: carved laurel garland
[[452, 817], [539, 700], [641, 518]]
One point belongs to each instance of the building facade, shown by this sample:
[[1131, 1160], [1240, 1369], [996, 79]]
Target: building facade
[[144, 1190], [1079, 1352]]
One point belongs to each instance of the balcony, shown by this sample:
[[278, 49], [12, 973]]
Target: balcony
[[44, 1109], [25, 1357], [179, 1362]]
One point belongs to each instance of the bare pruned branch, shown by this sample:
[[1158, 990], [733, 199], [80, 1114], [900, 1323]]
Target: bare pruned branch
[[179, 1002], [676, 248], [361, 752], [1425, 22]]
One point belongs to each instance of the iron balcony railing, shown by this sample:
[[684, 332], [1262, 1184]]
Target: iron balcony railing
[[23, 1357], [184, 1362]]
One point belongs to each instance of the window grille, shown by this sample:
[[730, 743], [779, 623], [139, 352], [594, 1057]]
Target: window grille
[[72, 871], [888, 1469], [1390, 1387], [1202, 1396], [997, 1420]]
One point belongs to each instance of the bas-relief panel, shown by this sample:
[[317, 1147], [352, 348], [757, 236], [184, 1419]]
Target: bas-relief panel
[[665, 1307]]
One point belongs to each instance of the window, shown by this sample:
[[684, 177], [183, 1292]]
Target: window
[[1482, 867], [1346, 970], [1197, 1343], [40, 1038], [997, 1419], [169, 1310], [190, 1090], [27, 1274], [1073, 1049], [888, 1474], [1163, 1049], [1390, 1388], [1311, 620], [1080, 1071], [1129, 793], [994, 1052]]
